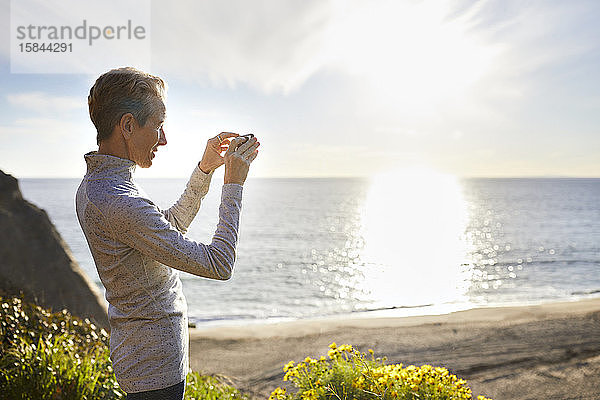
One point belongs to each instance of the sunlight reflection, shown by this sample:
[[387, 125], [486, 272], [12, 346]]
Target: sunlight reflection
[[413, 226]]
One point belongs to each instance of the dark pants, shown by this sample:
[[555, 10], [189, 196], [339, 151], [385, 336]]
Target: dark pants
[[174, 392]]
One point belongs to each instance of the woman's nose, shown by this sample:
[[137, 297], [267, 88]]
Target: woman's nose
[[162, 140]]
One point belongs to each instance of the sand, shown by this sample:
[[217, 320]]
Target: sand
[[549, 351]]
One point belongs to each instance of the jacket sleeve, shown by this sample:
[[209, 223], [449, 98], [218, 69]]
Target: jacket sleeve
[[139, 224], [183, 212]]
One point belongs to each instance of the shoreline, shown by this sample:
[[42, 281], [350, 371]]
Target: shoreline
[[362, 319], [504, 352]]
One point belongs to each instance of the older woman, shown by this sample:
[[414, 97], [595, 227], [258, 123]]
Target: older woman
[[137, 247]]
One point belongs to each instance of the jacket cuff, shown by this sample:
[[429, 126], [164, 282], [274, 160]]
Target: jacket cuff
[[199, 179], [232, 190]]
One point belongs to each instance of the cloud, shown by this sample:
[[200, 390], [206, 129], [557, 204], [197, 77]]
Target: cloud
[[409, 59], [50, 129], [44, 103], [267, 45], [44, 147], [277, 46], [401, 53], [413, 50]]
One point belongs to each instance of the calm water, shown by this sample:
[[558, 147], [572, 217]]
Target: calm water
[[402, 245]]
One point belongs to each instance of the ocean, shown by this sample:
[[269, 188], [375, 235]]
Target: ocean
[[389, 246]]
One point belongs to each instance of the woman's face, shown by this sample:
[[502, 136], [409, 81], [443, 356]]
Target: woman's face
[[144, 140]]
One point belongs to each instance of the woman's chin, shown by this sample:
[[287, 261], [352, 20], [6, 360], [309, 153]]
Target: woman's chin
[[146, 164]]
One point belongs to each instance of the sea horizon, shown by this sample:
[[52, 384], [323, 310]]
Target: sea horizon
[[335, 177]]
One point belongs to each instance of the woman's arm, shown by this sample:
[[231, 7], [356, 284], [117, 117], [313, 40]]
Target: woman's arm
[[182, 213], [138, 223]]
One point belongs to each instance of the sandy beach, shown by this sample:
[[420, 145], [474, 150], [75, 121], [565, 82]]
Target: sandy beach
[[549, 351]]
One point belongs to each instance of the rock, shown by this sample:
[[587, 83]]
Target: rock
[[35, 261]]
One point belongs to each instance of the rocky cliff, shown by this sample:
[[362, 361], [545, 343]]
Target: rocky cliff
[[35, 261]]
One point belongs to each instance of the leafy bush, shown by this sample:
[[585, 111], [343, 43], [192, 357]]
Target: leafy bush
[[47, 355], [349, 374], [204, 387]]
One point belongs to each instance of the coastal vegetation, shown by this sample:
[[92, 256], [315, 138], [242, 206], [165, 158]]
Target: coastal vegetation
[[347, 373], [45, 355]]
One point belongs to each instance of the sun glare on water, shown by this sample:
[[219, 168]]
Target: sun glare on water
[[413, 227]]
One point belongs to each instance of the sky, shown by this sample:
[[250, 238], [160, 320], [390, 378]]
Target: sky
[[341, 89]]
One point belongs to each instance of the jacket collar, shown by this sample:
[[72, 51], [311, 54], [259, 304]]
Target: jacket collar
[[105, 166]]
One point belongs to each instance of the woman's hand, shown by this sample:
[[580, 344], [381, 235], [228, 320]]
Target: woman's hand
[[212, 158], [238, 159]]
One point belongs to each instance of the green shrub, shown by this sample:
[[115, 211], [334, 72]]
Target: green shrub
[[54, 369], [47, 355], [348, 374], [204, 387]]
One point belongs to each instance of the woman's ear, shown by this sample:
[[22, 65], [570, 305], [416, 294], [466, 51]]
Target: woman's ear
[[127, 125]]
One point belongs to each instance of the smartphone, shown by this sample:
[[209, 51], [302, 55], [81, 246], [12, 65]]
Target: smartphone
[[248, 136]]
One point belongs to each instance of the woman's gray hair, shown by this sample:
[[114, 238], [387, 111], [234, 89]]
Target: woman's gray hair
[[120, 91]]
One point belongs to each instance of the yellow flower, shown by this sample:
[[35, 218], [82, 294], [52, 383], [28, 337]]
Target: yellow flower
[[372, 376], [288, 366], [290, 373], [345, 347], [310, 395], [333, 353], [277, 394]]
